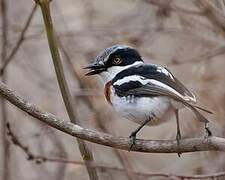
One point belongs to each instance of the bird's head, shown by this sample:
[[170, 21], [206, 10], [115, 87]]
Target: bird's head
[[113, 60]]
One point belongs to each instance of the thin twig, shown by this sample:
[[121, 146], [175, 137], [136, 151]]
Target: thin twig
[[207, 56], [67, 98], [60, 149], [222, 3], [19, 41], [43, 159], [151, 146], [174, 7], [4, 149], [214, 15]]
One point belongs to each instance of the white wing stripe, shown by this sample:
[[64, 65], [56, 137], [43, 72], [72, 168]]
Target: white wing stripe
[[164, 71], [126, 79], [145, 81]]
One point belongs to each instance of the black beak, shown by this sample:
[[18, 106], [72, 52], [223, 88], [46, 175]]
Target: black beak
[[95, 69]]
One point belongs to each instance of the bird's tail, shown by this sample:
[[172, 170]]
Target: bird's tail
[[199, 116], [203, 109]]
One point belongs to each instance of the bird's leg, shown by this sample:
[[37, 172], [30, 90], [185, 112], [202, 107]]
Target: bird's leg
[[178, 136], [209, 133], [134, 133]]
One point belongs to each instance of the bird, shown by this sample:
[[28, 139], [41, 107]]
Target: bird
[[148, 94]]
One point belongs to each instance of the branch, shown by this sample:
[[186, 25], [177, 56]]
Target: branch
[[150, 146], [19, 41], [4, 150], [67, 98], [39, 159]]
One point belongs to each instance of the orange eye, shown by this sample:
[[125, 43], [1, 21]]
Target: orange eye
[[117, 61]]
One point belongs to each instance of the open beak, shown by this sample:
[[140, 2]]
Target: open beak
[[95, 69]]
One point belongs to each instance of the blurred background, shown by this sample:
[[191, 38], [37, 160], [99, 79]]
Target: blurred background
[[186, 36]]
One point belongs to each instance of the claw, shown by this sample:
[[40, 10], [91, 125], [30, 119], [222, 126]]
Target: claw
[[178, 138], [209, 133], [134, 133]]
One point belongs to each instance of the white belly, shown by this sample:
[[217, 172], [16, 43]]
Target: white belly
[[139, 109]]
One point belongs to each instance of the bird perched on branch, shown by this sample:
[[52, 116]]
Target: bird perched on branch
[[147, 94]]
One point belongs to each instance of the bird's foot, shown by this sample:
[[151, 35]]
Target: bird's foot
[[178, 138], [208, 132], [132, 140]]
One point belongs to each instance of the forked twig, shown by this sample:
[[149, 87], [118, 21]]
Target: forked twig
[[19, 41]]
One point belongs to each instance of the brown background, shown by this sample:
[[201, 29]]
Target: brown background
[[186, 36]]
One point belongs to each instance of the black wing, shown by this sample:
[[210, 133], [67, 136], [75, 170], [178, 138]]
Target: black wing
[[152, 75], [153, 80]]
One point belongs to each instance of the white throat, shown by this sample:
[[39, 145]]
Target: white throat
[[113, 71]]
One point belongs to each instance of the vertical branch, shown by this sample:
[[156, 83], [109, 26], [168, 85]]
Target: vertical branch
[[67, 98], [99, 119], [4, 144]]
